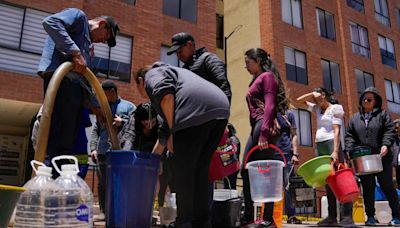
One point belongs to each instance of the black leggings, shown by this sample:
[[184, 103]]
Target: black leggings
[[268, 154]]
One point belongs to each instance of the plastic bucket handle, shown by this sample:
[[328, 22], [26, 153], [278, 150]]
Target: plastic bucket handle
[[256, 147], [260, 170], [34, 162], [67, 157]]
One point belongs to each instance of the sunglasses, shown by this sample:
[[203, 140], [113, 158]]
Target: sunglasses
[[368, 99]]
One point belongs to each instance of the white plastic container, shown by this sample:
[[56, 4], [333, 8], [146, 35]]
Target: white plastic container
[[71, 203], [383, 212], [225, 194], [30, 208], [324, 207], [266, 180]]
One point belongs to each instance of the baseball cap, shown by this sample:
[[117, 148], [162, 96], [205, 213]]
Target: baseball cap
[[113, 25], [178, 40], [108, 84]]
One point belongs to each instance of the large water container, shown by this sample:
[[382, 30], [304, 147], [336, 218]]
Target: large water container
[[71, 202], [30, 207], [266, 180]]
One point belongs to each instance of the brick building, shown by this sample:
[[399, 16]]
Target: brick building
[[146, 30]]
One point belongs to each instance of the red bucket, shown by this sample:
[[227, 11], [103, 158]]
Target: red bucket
[[343, 184]]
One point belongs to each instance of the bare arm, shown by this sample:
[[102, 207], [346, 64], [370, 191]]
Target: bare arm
[[336, 143], [305, 99], [168, 108], [295, 158]]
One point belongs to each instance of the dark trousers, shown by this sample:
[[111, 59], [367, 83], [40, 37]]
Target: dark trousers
[[385, 181], [289, 209], [398, 176], [268, 154], [193, 148], [101, 179], [326, 148], [165, 180], [65, 118]]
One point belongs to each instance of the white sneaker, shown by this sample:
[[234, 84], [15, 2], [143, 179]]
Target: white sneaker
[[99, 217]]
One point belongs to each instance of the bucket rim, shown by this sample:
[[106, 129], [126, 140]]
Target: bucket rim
[[11, 188], [302, 167], [264, 161]]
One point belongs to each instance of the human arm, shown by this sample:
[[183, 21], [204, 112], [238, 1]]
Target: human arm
[[217, 70], [270, 88], [336, 143], [388, 134], [94, 139], [306, 98], [168, 108], [57, 27], [295, 157]]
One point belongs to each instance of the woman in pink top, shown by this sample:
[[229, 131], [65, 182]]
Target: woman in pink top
[[266, 96]]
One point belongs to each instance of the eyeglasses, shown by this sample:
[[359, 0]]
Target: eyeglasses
[[368, 99]]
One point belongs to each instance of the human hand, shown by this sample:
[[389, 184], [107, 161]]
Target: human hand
[[262, 144], [295, 160], [93, 154], [170, 144], [335, 157], [79, 63], [117, 121], [384, 151]]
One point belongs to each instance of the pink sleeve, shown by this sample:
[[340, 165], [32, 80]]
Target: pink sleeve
[[270, 89]]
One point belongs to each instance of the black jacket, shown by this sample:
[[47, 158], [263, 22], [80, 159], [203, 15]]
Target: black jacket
[[379, 131], [208, 66]]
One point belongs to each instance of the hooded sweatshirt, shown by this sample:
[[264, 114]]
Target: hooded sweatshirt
[[374, 129]]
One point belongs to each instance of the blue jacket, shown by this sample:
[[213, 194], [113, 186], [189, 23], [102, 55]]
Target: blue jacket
[[99, 139], [68, 32]]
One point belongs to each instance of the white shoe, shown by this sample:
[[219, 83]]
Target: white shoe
[[99, 217]]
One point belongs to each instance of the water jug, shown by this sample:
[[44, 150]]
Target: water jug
[[30, 208], [71, 202]]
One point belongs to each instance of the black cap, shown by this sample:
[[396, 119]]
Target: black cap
[[178, 40], [114, 30], [108, 84]]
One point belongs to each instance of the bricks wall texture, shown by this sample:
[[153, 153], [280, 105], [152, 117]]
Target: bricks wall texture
[[145, 22]]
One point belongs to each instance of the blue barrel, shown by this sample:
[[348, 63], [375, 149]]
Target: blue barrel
[[131, 182]]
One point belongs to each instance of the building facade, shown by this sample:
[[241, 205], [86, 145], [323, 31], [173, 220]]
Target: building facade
[[146, 30]]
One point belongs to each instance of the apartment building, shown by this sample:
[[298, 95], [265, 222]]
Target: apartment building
[[146, 30]]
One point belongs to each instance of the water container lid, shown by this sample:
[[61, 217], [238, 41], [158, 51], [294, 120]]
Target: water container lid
[[69, 169], [44, 170]]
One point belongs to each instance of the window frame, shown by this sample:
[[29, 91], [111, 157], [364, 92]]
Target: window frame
[[219, 31], [363, 75], [291, 14], [359, 29], [385, 54], [325, 14], [299, 126], [380, 15], [296, 66], [356, 2], [330, 76]]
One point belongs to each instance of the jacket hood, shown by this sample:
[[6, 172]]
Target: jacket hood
[[377, 97]]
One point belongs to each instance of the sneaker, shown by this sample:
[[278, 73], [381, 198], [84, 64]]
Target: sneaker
[[99, 217], [348, 222], [370, 221], [262, 224], [328, 222], [294, 220], [394, 222]]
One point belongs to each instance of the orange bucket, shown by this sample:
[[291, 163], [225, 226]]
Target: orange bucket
[[343, 183]]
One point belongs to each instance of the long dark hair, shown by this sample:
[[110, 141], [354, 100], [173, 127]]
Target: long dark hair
[[328, 95], [258, 54]]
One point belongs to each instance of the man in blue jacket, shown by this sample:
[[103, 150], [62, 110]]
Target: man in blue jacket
[[70, 38]]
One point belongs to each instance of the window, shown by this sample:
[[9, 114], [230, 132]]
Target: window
[[364, 80], [220, 31], [356, 4], [170, 59], [303, 122], [130, 2], [21, 38], [326, 24], [331, 76], [398, 18], [183, 9], [296, 65], [291, 12], [392, 96], [387, 51], [359, 40], [113, 63], [381, 12]]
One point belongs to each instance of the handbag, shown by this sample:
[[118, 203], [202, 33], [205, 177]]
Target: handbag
[[224, 160]]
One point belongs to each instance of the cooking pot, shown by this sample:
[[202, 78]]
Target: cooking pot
[[367, 164], [360, 151]]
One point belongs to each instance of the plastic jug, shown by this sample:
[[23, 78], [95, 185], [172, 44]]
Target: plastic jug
[[71, 202], [30, 208]]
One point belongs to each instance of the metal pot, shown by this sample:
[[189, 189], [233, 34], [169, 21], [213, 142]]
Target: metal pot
[[367, 164]]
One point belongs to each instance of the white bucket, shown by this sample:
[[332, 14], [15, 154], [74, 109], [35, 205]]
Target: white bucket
[[266, 180], [167, 215], [224, 194]]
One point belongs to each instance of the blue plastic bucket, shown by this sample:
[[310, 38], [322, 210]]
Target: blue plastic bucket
[[131, 183]]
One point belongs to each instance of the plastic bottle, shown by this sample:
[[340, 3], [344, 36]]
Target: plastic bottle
[[324, 207], [71, 203], [30, 207]]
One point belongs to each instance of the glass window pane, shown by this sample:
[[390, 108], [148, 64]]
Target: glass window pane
[[321, 23], [33, 35], [289, 56], [354, 33], [335, 78], [301, 75], [384, 8], [326, 78], [10, 35], [369, 80], [290, 72], [305, 130], [390, 46], [377, 6], [364, 37], [330, 24], [382, 42], [360, 81], [296, 10], [300, 59], [388, 89], [189, 10], [171, 7], [286, 11], [396, 95]]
